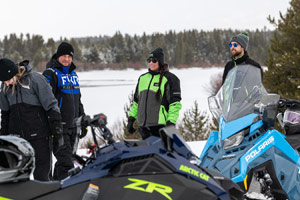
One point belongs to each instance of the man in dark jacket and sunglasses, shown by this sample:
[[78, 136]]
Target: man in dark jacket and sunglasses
[[238, 49]]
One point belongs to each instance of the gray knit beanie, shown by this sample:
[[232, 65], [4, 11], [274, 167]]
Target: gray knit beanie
[[242, 39]]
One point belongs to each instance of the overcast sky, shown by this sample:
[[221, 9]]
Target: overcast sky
[[79, 18]]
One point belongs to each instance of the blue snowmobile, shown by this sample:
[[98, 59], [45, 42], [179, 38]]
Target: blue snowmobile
[[155, 168], [247, 148]]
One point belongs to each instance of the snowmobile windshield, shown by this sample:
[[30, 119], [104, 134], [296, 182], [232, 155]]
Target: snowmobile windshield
[[240, 94]]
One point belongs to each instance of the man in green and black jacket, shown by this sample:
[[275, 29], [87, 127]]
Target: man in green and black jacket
[[156, 99]]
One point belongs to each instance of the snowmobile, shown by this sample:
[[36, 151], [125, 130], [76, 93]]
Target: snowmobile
[[154, 168], [247, 148]]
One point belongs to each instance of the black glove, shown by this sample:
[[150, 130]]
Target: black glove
[[83, 133], [57, 135], [85, 122], [130, 127], [170, 123]]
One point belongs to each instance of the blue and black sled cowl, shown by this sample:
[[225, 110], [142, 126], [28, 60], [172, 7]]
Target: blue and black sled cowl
[[156, 168]]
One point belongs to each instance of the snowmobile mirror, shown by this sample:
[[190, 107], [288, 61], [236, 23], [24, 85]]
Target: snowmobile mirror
[[280, 119], [214, 107]]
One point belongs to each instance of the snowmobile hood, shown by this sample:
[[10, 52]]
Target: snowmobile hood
[[119, 153]]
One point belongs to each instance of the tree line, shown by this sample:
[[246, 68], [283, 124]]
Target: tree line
[[183, 49]]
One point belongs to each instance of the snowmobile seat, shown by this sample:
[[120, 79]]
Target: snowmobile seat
[[28, 189], [294, 141]]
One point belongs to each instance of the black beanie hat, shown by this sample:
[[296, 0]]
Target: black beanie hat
[[242, 39], [158, 53], [8, 69], [64, 49]]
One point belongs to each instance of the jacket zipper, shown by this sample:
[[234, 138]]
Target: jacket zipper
[[71, 89], [19, 111], [147, 100], [163, 111]]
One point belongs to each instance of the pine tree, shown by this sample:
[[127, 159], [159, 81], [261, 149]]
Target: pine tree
[[127, 107], [283, 61], [195, 125], [93, 55], [77, 50]]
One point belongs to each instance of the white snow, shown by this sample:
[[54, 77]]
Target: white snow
[[107, 91]]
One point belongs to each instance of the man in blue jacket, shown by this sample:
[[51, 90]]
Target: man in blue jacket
[[65, 86]]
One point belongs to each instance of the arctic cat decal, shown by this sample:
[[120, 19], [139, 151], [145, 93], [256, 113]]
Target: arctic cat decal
[[194, 172], [161, 189]]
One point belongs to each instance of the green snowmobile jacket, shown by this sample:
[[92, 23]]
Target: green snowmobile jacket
[[150, 111]]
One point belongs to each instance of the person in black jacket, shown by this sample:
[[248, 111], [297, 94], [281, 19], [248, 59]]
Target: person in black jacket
[[65, 86], [27, 106], [238, 49], [156, 99]]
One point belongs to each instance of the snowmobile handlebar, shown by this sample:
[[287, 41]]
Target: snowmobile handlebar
[[98, 122], [288, 103]]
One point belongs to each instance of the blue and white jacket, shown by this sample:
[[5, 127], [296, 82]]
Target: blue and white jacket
[[65, 86]]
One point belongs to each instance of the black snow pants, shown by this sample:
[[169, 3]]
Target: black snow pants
[[64, 155], [150, 131], [43, 159]]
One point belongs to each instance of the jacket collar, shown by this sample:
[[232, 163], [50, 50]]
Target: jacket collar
[[241, 59], [157, 71], [153, 72]]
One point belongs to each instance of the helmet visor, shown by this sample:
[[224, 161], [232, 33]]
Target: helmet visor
[[291, 117]]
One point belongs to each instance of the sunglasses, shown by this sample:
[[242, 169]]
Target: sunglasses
[[234, 45], [154, 60]]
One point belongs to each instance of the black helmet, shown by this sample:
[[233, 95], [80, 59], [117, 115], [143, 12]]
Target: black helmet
[[291, 121], [17, 160]]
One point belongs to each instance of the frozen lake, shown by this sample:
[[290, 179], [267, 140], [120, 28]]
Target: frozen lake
[[107, 91]]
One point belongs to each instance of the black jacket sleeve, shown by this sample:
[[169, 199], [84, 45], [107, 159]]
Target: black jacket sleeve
[[227, 68], [136, 93], [81, 109], [51, 77], [174, 84]]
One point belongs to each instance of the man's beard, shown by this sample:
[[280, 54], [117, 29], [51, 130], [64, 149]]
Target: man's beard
[[236, 54]]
